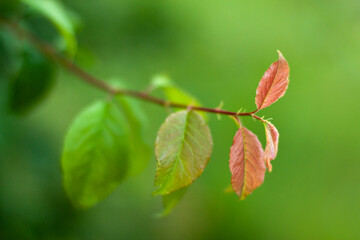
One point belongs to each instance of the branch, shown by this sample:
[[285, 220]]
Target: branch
[[57, 57]]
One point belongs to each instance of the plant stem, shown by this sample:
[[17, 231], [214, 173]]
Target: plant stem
[[57, 57]]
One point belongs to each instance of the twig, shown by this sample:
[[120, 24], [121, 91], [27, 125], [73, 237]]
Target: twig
[[54, 55]]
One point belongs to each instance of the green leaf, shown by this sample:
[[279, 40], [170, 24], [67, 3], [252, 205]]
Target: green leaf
[[95, 155], [31, 83], [174, 93], [140, 151], [59, 16], [183, 147], [170, 201]]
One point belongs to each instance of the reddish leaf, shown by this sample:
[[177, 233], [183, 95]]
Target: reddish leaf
[[273, 84], [246, 162], [272, 141]]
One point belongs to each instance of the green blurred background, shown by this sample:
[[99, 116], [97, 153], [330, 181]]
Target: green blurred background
[[217, 50]]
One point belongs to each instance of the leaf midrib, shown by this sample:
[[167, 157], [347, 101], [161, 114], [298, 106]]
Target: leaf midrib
[[95, 135], [244, 143], [272, 84], [178, 158]]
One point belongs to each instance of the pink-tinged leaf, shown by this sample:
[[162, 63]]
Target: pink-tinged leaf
[[272, 141], [273, 84], [246, 163]]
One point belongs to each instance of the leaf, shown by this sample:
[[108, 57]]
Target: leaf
[[174, 93], [139, 150], [59, 16], [31, 83], [171, 200], [95, 154], [183, 147], [246, 163], [272, 141], [273, 84]]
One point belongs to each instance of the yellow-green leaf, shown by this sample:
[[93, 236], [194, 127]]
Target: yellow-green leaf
[[173, 93], [183, 147]]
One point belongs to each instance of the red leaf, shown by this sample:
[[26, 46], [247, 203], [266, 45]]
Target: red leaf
[[273, 84], [272, 141], [246, 162]]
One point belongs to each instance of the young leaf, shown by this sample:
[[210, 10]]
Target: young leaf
[[246, 163], [171, 200], [272, 141], [95, 155], [58, 15], [174, 93], [139, 150], [273, 84], [183, 147], [31, 83]]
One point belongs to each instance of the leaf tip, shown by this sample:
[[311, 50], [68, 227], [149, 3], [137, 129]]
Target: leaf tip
[[281, 56]]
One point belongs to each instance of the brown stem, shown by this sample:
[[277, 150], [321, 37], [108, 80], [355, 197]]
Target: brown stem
[[50, 52]]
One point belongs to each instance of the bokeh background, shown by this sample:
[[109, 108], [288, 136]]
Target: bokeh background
[[218, 51]]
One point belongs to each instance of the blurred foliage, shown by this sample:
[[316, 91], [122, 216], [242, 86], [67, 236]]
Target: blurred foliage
[[7, 7], [95, 155], [9, 56], [139, 150], [217, 51], [31, 82], [170, 201], [60, 17]]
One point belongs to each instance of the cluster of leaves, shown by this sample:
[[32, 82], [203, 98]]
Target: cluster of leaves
[[105, 144], [247, 158], [98, 148]]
